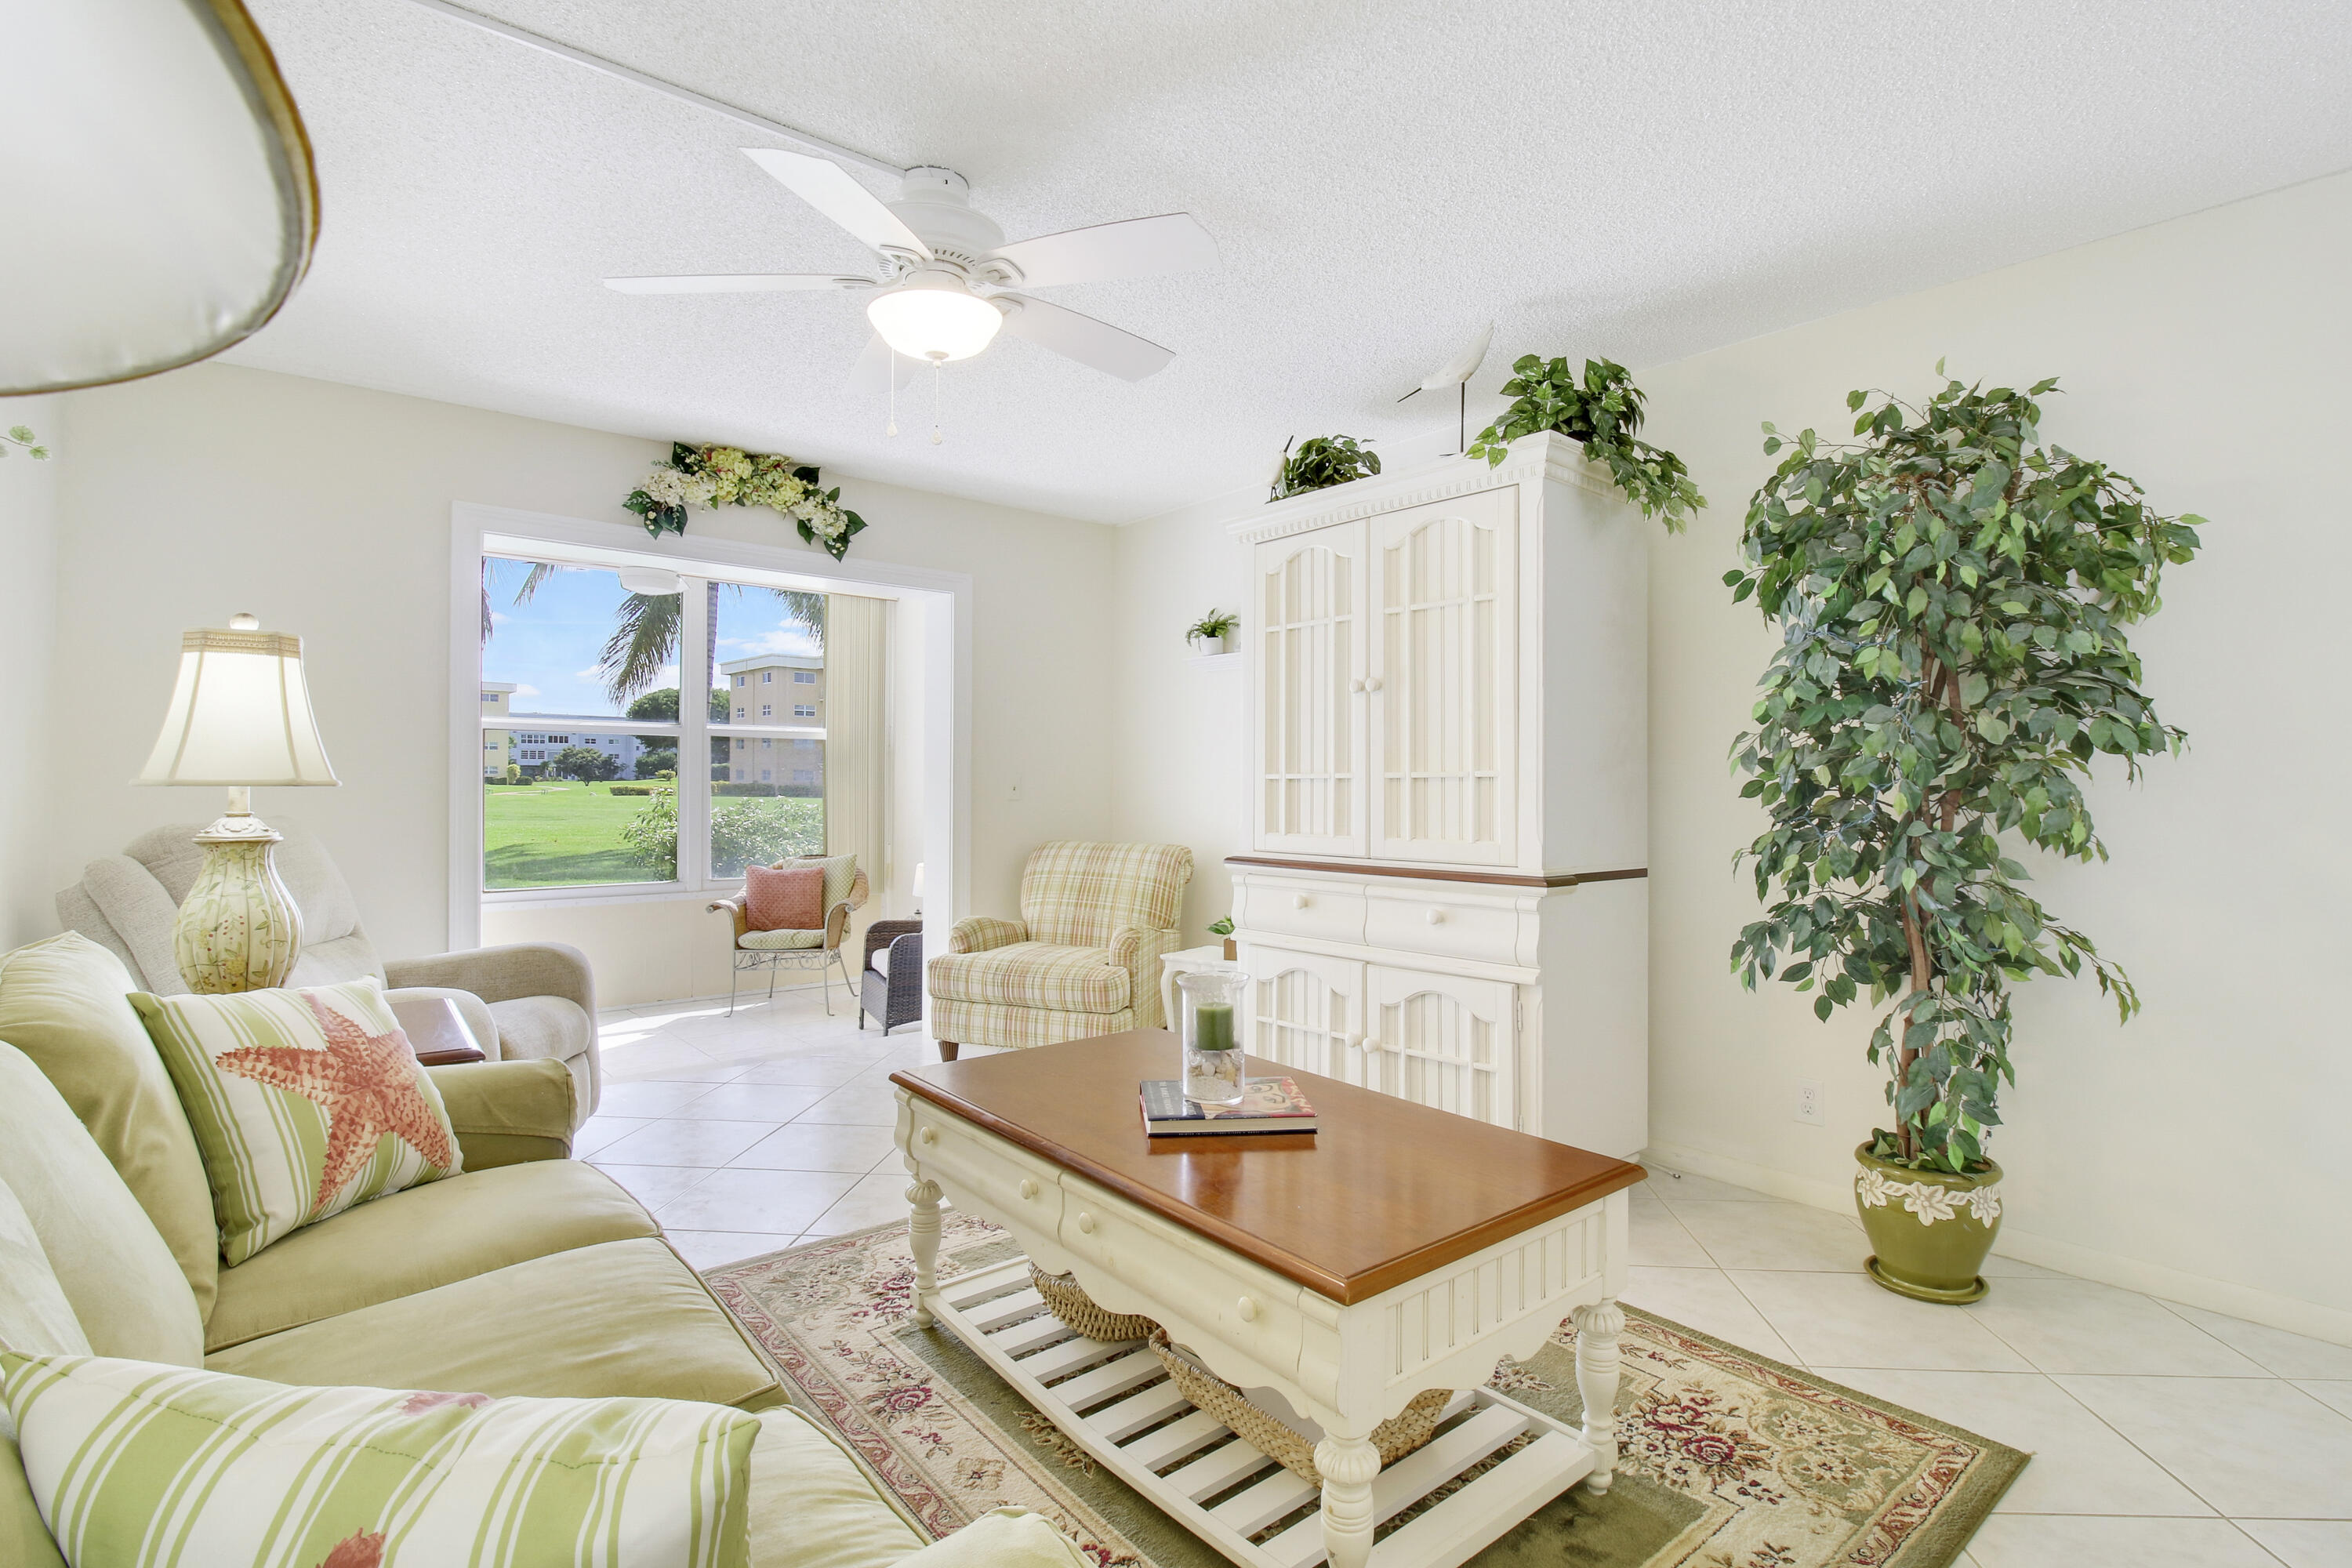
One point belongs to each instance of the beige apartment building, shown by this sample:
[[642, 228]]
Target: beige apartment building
[[775, 688], [498, 746]]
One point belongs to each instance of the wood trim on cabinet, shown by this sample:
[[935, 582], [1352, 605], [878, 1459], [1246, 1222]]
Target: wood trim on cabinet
[[1490, 878]]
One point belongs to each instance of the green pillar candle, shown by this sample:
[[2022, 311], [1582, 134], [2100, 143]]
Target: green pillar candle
[[1212, 1027]]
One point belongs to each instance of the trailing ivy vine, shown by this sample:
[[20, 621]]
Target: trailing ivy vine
[[1953, 597], [1320, 462], [1602, 410]]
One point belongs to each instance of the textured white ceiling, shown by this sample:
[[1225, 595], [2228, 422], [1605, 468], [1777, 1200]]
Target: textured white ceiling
[[1641, 181]]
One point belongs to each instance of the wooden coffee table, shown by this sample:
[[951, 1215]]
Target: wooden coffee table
[[1398, 1250]]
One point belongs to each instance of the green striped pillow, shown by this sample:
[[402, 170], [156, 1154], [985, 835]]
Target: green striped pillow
[[304, 1102], [145, 1466]]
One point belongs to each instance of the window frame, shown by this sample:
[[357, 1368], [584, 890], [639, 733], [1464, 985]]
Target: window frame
[[932, 620], [693, 732]]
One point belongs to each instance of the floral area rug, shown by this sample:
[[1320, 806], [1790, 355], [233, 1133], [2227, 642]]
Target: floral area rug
[[1727, 1459]]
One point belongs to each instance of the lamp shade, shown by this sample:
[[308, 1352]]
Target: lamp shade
[[160, 200], [917, 891], [240, 714]]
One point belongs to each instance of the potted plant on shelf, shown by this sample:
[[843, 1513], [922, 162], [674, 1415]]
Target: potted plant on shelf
[[1320, 462], [1602, 410], [1952, 597], [1225, 929], [1212, 632]]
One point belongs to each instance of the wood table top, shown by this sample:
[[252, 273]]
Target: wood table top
[[1386, 1192]]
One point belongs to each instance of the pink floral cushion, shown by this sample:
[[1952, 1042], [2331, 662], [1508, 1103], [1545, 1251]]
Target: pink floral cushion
[[784, 900]]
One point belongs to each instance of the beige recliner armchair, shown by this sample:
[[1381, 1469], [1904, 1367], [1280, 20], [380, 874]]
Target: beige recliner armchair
[[528, 1000]]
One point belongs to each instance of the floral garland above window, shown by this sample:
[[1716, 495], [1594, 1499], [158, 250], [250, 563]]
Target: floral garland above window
[[729, 476]]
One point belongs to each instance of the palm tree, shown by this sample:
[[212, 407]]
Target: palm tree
[[647, 627]]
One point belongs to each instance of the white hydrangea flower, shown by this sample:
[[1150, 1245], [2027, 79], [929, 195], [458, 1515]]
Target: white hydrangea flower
[[1984, 1202], [1871, 1186]]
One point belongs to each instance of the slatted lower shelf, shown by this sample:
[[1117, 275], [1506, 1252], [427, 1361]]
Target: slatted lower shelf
[[1114, 1400]]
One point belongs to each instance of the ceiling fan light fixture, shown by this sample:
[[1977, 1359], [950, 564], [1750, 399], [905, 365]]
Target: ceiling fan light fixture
[[933, 316]]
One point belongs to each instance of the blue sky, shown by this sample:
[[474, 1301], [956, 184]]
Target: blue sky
[[549, 646]]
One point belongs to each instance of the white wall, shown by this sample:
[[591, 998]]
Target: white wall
[[28, 594], [2198, 1150], [324, 509], [2195, 1152], [1181, 774]]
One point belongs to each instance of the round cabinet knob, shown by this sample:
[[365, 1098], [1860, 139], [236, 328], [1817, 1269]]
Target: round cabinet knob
[[1298, 900], [1028, 1188], [927, 1136], [1436, 917], [1357, 684], [1247, 1308], [1371, 683], [1355, 1042], [1085, 1222]]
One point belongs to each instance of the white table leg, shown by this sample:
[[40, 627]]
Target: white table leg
[[1349, 1465], [923, 1232], [1597, 1328]]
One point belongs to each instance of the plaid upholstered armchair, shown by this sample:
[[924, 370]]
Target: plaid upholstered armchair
[[1083, 958]]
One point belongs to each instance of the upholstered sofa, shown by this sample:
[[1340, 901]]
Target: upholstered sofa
[[530, 1001], [530, 1274], [1082, 959]]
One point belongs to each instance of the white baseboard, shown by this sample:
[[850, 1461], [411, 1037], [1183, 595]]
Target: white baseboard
[[2266, 1307]]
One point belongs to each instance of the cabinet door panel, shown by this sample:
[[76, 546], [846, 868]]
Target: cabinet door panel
[[1443, 1041], [1311, 668], [1307, 1010], [1445, 654]]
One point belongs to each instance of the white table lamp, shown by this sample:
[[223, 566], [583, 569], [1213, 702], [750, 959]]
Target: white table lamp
[[916, 892], [240, 717]]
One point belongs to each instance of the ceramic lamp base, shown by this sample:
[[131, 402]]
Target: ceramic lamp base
[[238, 928]]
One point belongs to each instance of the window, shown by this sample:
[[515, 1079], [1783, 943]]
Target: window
[[566, 640], [803, 711]]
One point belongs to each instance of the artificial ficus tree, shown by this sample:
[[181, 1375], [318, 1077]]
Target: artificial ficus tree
[[1952, 596]]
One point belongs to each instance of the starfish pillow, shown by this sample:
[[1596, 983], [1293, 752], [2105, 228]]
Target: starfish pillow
[[304, 1102]]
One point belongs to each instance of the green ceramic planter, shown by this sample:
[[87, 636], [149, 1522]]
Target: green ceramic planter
[[1929, 1231]]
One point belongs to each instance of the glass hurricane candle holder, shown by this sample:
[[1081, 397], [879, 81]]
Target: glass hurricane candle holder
[[1210, 1029]]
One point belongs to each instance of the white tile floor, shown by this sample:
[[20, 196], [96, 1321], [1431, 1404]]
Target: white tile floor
[[2163, 1436]]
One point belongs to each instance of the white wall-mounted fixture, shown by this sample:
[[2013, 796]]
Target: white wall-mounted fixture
[[240, 717]]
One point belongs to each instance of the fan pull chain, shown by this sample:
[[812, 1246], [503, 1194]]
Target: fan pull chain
[[936, 436], [893, 430]]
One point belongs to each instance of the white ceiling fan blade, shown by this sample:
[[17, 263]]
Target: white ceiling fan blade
[[736, 283], [1085, 340], [826, 186], [872, 373], [1138, 247]]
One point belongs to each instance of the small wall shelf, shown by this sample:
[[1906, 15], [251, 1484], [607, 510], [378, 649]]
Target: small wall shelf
[[1231, 658]]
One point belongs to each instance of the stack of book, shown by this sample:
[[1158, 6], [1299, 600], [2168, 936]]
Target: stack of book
[[1267, 1105]]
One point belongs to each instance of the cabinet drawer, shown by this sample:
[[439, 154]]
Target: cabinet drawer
[[982, 1172], [1300, 908], [1207, 1297], [1444, 928]]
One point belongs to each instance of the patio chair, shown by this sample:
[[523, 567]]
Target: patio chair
[[844, 891], [890, 987]]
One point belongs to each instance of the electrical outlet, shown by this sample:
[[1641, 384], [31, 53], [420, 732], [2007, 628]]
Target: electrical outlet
[[1808, 1108]]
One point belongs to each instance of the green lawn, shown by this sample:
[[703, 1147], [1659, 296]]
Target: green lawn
[[566, 834], [558, 835]]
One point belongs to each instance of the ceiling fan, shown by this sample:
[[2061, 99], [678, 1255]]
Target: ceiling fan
[[949, 279]]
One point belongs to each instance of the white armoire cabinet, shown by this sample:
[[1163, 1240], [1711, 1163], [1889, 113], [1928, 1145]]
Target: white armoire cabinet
[[1444, 898]]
